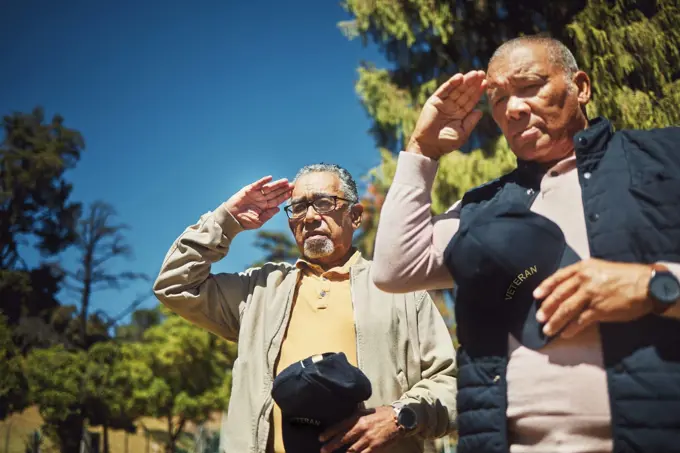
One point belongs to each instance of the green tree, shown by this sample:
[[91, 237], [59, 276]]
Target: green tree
[[180, 373], [34, 208], [630, 49], [141, 321], [72, 387], [55, 381], [34, 196], [109, 402], [13, 385]]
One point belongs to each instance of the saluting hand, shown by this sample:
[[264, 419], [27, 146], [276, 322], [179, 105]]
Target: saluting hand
[[256, 203], [448, 116]]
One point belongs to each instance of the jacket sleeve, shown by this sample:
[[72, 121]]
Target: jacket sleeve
[[187, 287], [434, 396]]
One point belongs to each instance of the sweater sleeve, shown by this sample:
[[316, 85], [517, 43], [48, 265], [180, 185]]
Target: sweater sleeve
[[410, 242]]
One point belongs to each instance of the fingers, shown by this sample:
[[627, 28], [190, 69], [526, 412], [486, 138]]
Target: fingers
[[346, 438], [557, 296], [549, 284], [257, 185], [584, 320], [468, 93], [280, 198], [276, 185], [272, 193], [568, 311], [359, 445], [338, 428], [445, 88]]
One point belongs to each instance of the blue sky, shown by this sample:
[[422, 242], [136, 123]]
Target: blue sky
[[183, 103]]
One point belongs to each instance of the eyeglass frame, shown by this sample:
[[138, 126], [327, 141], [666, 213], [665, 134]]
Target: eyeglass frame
[[308, 203]]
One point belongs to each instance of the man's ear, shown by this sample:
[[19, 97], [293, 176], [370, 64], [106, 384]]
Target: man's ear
[[583, 87], [356, 213]]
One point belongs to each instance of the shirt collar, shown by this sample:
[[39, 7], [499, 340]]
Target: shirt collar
[[341, 271]]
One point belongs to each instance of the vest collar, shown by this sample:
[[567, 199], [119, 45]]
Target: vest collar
[[589, 145]]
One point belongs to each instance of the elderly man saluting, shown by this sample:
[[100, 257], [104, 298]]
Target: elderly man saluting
[[585, 358], [281, 315]]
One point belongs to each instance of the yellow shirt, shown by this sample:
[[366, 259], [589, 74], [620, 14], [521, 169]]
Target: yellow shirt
[[321, 320]]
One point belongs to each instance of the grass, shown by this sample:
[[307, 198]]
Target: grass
[[19, 426]]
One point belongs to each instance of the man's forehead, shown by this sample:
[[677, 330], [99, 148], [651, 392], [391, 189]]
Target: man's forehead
[[516, 62], [313, 184]]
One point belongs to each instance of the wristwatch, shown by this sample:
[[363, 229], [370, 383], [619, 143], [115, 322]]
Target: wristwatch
[[407, 418], [663, 289]]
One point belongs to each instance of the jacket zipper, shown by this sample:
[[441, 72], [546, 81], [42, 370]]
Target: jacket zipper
[[270, 371]]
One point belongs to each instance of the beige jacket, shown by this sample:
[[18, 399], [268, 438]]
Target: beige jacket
[[403, 345]]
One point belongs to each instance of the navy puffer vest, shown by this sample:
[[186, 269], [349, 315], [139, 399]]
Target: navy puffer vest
[[630, 182]]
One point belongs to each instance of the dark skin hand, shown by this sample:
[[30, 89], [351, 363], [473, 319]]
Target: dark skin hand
[[593, 291], [368, 431]]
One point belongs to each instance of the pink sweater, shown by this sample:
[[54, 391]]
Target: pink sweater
[[557, 397]]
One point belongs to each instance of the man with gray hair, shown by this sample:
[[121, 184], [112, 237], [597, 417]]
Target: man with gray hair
[[281, 314], [587, 358]]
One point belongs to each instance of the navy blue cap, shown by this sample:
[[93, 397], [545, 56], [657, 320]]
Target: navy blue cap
[[315, 394], [502, 255]]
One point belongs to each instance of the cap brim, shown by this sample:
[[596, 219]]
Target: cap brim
[[530, 332]]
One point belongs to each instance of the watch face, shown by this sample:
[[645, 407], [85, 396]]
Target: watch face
[[665, 288], [407, 418]]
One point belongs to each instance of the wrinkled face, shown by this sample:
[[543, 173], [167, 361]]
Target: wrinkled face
[[323, 238], [538, 108]]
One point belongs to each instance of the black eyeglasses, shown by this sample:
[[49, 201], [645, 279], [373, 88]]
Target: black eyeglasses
[[322, 205]]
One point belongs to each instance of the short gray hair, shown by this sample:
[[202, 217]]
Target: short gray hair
[[558, 53], [347, 183]]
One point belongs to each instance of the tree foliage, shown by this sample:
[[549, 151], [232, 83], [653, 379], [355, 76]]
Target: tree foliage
[[180, 373], [631, 51], [141, 320], [35, 213], [56, 385], [34, 195], [13, 385]]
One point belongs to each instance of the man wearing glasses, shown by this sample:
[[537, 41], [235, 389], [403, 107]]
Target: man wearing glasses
[[280, 314]]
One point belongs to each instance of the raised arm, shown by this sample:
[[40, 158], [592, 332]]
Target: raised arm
[[410, 243], [185, 283]]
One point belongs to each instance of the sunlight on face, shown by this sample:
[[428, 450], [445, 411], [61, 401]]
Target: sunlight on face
[[534, 103]]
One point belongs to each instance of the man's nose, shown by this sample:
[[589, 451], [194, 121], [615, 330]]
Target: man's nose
[[311, 215], [516, 107]]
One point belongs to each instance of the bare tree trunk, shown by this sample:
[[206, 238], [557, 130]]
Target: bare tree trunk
[[170, 446], [106, 437], [87, 290]]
